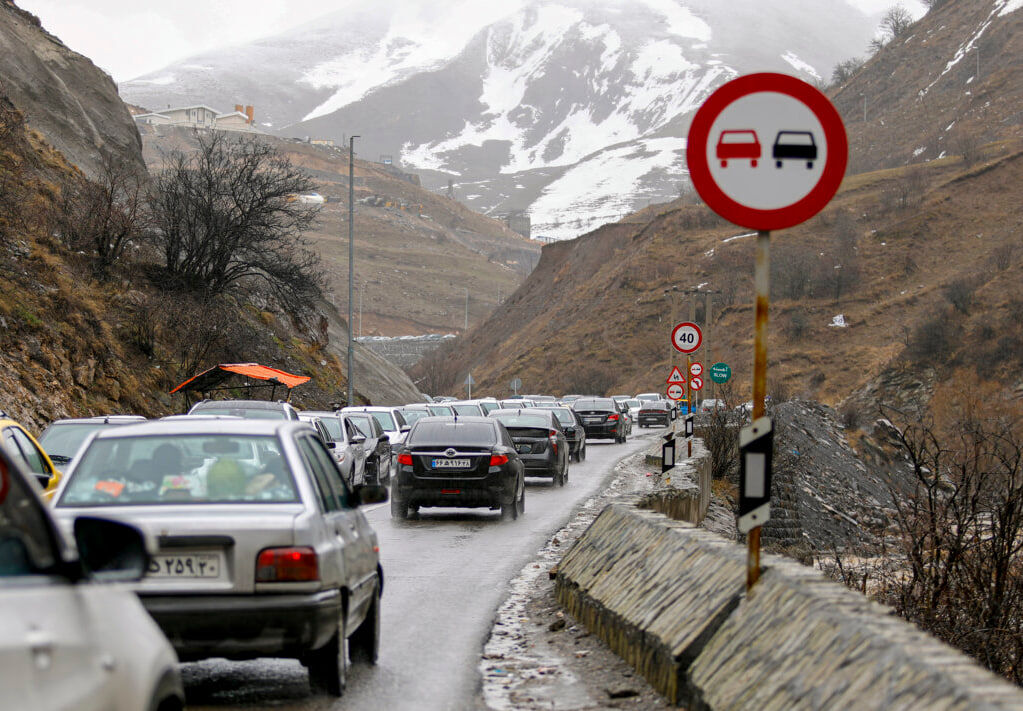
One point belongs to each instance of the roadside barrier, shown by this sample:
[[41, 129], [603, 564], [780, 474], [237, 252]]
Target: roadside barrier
[[669, 598]]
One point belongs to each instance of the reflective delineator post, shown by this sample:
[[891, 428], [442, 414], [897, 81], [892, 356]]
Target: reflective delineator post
[[761, 282]]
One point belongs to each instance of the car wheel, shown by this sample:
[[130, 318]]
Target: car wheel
[[582, 453], [522, 500], [510, 510], [559, 478], [328, 665], [364, 645], [777, 164], [399, 507]]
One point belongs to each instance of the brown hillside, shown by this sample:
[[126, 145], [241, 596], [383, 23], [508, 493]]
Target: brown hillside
[[594, 310], [953, 81], [416, 252]]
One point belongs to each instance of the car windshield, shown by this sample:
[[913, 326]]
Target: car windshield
[[511, 421], [452, 434], [362, 423], [633, 403], [594, 405], [466, 409], [385, 420], [63, 440], [248, 413], [738, 137], [180, 469], [489, 406], [440, 410]]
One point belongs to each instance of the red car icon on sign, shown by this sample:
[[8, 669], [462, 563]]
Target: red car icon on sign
[[738, 144]]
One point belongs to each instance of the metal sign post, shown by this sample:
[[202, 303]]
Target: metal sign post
[[469, 382], [732, 170]]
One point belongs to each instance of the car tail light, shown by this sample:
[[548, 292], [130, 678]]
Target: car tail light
[[554, 441], [612, 418], [497, 460], [405, 458], [286, 565]]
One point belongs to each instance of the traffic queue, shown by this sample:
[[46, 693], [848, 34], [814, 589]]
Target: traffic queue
[[240, 525]]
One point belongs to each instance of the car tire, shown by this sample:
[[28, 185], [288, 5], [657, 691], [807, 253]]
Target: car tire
[[328, 665], [559, 478], [399, 507], [364, 644], [522, 499], [582, 453], [510, 509]]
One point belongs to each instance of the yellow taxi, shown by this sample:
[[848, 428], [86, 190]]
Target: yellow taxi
[[21, 445]]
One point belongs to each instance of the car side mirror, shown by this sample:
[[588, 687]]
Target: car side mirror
[[358, 439], [370, 494], [110, 551], [331, 444], [404, 429]]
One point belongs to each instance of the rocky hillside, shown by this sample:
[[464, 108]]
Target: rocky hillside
[[63, 95], [915, 265], [416, 251], [949, 84], [76, 342]]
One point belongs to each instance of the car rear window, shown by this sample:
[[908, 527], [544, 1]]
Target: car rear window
[[251, 414], [452, 434], [441, 410], [180, 469], [333, 426], [469, 410], [594, 404], [385, 420], [411, 416], [516, 421], [564, 415], [64, 440]]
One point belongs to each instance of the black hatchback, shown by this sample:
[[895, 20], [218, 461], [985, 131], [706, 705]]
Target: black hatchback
[[601, 418], [459, 461]]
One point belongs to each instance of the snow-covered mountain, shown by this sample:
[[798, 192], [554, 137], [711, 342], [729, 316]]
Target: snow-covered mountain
[[574, 110]]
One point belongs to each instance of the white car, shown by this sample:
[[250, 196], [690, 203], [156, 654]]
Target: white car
[[72, 635], [393, 423], [652, 397], [711, 404]]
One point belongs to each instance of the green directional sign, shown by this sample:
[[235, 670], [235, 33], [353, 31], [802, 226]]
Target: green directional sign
[[720, 373]]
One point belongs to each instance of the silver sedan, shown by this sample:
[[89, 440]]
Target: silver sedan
[[263, 551]]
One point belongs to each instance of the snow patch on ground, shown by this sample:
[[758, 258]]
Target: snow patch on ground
[[747, 234], [1001, 8], [918, 151], [838, 321], [799, 65], [601, 189]]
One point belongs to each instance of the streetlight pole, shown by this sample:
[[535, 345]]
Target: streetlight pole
[[351, 263]]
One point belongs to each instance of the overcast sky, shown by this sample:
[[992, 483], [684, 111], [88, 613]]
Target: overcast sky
[[128, 38]]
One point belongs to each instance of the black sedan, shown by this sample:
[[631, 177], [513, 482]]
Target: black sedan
[[575, 432], [601, 418], [656, 413], [539, 440], [463, 461]]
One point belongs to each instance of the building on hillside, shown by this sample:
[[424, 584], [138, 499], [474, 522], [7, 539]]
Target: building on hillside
[[202, 116], [322, 141]]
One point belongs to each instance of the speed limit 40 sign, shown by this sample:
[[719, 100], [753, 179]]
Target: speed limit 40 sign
[[686, 337]]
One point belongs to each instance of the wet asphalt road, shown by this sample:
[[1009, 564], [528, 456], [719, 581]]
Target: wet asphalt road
[[445, 574]]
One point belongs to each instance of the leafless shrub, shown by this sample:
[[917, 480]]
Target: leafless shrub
[[226, 221], [102, 217], [929, 340], [966, 144], [896, 21], [844, 71], [145, 314], [204, 330], [850, 415], [591, 379], [1004, 256], [961, 292]]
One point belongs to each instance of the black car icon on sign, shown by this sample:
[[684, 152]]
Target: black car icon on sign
[[794, 145]]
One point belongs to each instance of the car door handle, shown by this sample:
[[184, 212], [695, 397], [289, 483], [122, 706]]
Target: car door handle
[[39, 640]]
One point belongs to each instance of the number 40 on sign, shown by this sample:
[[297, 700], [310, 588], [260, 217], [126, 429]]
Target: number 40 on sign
[[686, 337]]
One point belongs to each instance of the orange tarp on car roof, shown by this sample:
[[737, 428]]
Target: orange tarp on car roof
[[208, 379]]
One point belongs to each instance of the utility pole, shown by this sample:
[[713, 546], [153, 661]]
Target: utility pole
[[351, 264], [361, 289]]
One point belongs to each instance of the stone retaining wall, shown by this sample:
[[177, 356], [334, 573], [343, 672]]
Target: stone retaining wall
[[670, 599], [685, 491]]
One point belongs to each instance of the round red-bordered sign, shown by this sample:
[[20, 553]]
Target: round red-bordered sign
[[686, 337], [719, 200]]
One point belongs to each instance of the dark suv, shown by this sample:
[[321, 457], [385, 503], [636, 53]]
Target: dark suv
[[601, 418], [463, 461], [655, 413]]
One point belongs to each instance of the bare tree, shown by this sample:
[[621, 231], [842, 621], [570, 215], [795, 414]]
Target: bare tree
[[896, 21], [226, 220], [102, 217], [844, 71]]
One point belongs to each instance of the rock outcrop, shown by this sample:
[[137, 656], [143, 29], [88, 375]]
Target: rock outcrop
[[63, 95]]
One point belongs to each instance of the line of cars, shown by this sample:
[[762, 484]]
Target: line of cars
[[239, 528]]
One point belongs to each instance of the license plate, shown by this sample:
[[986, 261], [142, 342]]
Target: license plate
[[525, 448], [594, 420], [450, 463], [193, 565]]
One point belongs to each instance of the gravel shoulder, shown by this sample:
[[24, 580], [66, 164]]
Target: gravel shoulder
[[537, 656]]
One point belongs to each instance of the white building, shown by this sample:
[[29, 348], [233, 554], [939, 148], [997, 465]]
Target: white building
[[201, 116]]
